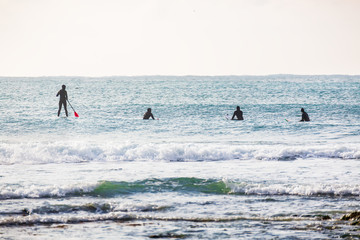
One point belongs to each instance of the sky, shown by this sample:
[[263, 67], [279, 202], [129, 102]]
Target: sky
[[179, 37]]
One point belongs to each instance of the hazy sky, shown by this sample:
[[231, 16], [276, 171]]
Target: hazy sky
[[179, 37]]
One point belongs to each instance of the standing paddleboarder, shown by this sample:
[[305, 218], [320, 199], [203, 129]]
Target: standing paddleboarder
[[62, 100]]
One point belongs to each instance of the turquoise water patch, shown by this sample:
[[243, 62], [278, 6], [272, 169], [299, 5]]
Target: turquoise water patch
[[184, 185]]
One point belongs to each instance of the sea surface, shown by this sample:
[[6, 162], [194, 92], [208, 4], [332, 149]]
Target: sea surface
[[191, 173]]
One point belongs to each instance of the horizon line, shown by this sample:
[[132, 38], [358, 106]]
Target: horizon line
[[187, 75]]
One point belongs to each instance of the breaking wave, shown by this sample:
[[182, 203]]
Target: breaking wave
[[110, 189], [57, 152]]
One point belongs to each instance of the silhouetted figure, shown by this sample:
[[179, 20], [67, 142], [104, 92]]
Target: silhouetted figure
[[238, 113], [305, 116], [63, 99], [148, 114]]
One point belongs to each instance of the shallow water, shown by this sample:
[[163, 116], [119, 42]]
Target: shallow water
[[192, 173]]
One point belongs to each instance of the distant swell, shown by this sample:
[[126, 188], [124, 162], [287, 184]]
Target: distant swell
[[110, 189], [58, 152]]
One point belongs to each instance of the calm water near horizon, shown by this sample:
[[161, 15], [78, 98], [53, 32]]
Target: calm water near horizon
[[190, 174]]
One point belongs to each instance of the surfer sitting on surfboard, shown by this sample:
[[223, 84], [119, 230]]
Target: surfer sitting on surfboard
[[148, 114], [305, 116], [63, 99], [238, 113]]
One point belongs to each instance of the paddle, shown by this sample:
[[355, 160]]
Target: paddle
[[75, 113]]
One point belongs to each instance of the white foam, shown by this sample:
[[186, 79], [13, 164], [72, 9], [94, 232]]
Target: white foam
[[298, 189], [62, 152], [51, 219], [36, 191]]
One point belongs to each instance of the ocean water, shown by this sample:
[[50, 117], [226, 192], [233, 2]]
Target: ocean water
[[189, 174]]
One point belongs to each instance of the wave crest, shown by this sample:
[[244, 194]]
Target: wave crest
[[56, 152], [110, 189], [298, 189]]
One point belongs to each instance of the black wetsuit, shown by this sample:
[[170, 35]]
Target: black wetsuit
[[147, 115], [305, 117], [238, 114], [62, 101]]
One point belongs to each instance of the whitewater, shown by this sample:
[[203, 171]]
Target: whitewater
[[191, 173]]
